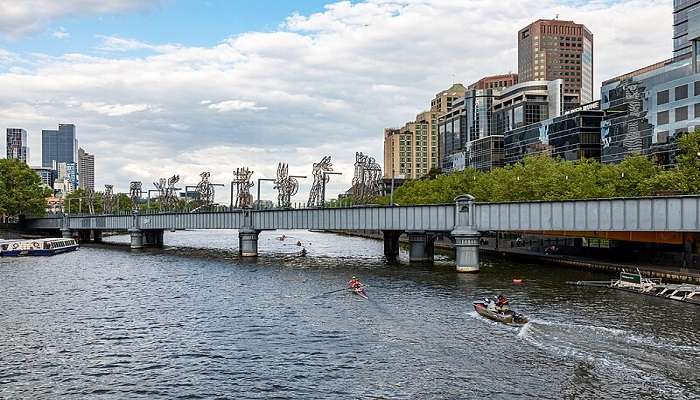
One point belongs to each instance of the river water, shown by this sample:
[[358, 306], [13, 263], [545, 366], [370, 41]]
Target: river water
[[192, 321]]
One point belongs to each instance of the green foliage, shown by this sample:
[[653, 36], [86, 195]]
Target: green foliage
[[21, 190], [540, 177]]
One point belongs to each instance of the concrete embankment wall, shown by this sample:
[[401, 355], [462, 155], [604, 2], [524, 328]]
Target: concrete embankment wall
[[508, 249]]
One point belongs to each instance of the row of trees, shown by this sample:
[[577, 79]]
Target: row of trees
[[541, 177], [21, 191]]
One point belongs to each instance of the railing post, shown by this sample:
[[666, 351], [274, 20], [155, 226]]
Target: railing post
[[466, 235]]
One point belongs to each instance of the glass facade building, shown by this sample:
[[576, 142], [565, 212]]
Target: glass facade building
[[683, 10], [17, 144], [59, 146], [648, 109], [572, 136], [469, 120]]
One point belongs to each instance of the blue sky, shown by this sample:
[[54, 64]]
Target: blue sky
[[158, 87], [187, 22]]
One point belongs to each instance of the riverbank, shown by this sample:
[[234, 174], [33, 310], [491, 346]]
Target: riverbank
[[665, 272]]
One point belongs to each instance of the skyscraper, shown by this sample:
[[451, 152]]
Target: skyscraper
[[17, 144], [683, 12], [554, 49], [59, 146], [86, 170]]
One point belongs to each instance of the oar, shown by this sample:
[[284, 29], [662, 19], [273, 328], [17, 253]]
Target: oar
[[333, 291]]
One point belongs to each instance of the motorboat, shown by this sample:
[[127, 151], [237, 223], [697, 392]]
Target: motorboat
[[487, 308]]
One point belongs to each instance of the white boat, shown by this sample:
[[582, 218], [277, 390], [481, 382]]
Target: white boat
[[635, 282], [37, 247]]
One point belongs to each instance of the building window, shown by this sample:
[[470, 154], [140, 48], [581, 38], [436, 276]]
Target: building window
[[662, 97], [681, 92], [681, 113], [697, 111], [697, 88], [662, 118]]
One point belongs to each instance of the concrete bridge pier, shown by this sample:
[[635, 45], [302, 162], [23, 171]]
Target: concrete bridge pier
[[466, 236], [422, 247], [84, 235], [248, 242], [153, 237], [97, 236], [136, 238], [391, 245]]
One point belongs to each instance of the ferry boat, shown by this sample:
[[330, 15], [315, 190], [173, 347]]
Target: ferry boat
[[37, 247]]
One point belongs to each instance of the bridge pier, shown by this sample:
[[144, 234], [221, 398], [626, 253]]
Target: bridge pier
[[84, 235], [153, 237], [97, 236], [66, 233], [248, 242], [136, 238], [466, 236], [391, 245], [422, 247]]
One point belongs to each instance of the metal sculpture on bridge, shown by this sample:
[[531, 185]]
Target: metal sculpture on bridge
[[241, 178], [90, 200], [166, 191], [367, 181], [108, 200], [286, 186], [205, 190], [135, 192], [320, 180]]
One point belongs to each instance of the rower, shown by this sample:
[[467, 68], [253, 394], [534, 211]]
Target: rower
[[355, 283]]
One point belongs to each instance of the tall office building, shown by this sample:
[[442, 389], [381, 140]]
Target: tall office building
[[17, 144], [554, 49], [86, 170], [59, 146], [495, 82], [683, 12]]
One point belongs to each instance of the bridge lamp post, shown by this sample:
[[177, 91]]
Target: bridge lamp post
[[323, 183], [259, 180]]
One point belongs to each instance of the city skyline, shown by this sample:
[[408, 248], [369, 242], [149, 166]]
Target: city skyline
[[283, 88]]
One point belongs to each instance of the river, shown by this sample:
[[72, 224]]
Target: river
[[192, 321]]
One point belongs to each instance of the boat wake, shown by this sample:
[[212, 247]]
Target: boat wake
[[616, 352]]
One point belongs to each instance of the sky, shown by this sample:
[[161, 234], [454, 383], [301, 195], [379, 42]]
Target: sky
[[163, 87]]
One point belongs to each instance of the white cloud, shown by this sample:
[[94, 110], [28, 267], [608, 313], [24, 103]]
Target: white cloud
[[21, 17], [114, 110], [118, 44], [61, 33], [235, 105], [334, 80]]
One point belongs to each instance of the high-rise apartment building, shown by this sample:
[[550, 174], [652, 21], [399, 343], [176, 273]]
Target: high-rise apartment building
[[684, 11], [86, 170], [412, 151], [59, 146], [554, 49], [443, 100], [17, 144]]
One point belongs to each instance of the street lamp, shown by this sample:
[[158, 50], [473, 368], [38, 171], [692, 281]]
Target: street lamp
[[323, 182], [259, 180]]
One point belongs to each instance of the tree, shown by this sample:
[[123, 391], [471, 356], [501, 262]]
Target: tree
[[21, 190]]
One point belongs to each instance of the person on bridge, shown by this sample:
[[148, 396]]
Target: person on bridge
[[355, 283]]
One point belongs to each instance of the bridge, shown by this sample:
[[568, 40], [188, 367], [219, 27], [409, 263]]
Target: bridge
[[465, 221]]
